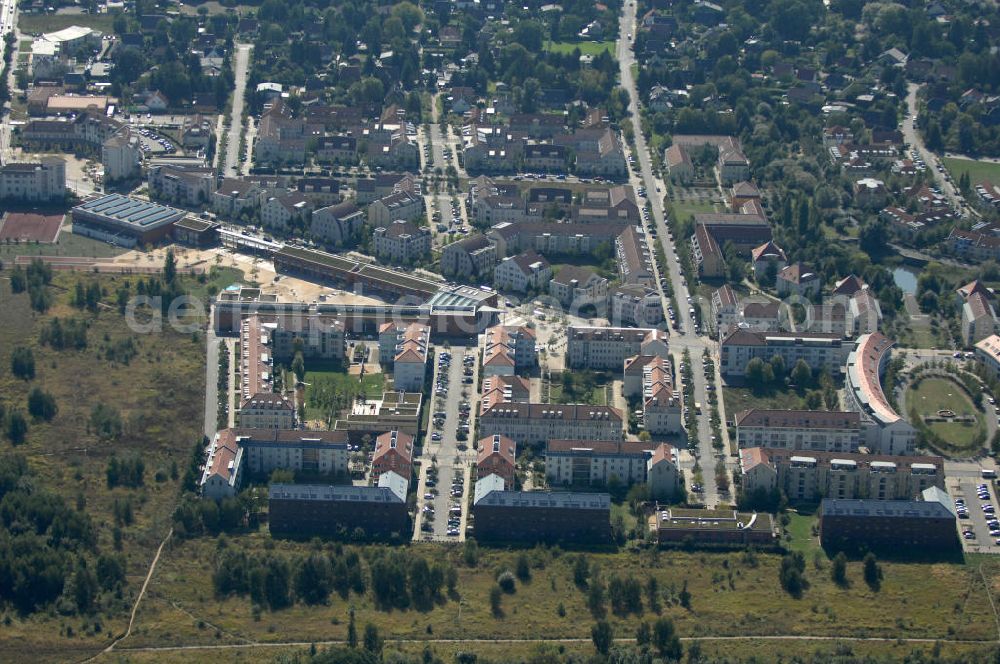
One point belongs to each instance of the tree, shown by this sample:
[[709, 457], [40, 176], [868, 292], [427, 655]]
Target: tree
[[41, 404], [299, 367], [872, 571], [755, 372], [685, 596], [84, 586], [506, 581], [838, 572], [801, 374], [470, 553], [581, 570], [790, 574], [372, 640], [17, 427], [314, 579], [523, 568], [352, 630], [169, 267], [643, 634], [602, 636], [495, 596], [22, 363], [665, 639]]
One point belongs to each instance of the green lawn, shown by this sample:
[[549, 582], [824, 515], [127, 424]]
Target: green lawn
[[68, 244], [586, 47], [684, 209], [934, 394], [32, 23], [800, 530], [977, 170], [742, 398], [318, 375], [578, 387]]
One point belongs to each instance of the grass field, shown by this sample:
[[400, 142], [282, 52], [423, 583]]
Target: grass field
[[586, 48], [32, 23], [730, 596], [742, 398], [757, 650], [684, 209], [579, 391], [977, 170], [372, 384], [934, 394], [160, 395], [69, 244]]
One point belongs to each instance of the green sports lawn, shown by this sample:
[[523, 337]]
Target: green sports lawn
[[977, 170]]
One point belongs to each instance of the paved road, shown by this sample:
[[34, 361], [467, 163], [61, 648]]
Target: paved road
[[452, 462], [655, 187], [8, 23], [241, 69], [916, 141]]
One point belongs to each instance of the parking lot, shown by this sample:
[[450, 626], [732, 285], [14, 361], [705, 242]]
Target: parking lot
[[447, 450], [977, 514]]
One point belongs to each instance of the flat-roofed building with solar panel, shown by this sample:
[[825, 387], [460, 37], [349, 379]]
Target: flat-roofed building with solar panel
[[124, 221]]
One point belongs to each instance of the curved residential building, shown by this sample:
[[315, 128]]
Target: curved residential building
[[885, 431]]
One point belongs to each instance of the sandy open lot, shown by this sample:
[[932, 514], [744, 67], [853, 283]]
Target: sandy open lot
[[286, 288]]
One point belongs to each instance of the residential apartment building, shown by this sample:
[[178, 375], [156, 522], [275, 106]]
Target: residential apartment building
[[398, 205], [497, 456], [926, 524], [988, 355], [471, 257], [635, 264], [401, 242], [523, 272], [650, 378], [663, 476], [550, 238], [767, 259], [121, 156], [536, 423], [634, 304], [818, 350], [393, 453], [337, 225], [810, 476], [311, 510], [405, 348], [282, 212], [234, 196], [234, 453], [539, 516], [509, 350], [596, 462], [182, 185], [42, 182], [576, 287], [885, 431], [259, 406], [321, 337], [341, 150], [606, 348], [797, 279], [815, 430], [978, 318]]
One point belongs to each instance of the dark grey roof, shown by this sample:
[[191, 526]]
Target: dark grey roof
[[546, 499], [354, 494], [897, 509]]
